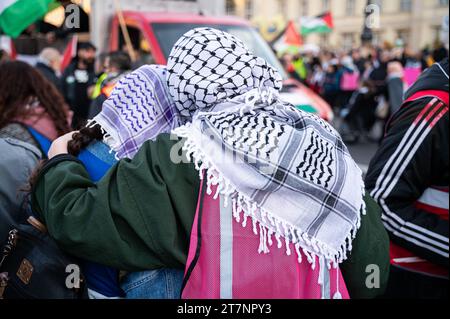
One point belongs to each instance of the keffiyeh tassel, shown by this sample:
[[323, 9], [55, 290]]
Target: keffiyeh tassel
[[268, 223], [113, 144], [139, 109]]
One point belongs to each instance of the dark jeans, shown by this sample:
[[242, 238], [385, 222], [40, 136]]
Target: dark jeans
[[161, 283], [404, 284]]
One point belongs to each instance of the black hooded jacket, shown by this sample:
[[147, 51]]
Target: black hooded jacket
[[75, 83], [409, 175]]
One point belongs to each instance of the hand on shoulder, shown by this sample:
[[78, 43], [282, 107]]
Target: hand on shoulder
[[59, 146]]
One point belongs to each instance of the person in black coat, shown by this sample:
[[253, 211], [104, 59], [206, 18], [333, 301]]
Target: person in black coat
[[49, 65], [409, 178], [77, 79]]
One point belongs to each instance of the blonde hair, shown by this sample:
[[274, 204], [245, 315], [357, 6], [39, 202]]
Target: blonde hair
[[49, 55]]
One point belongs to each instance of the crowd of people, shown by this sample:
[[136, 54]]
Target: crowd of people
[[87, 81], [178, 179], [365, 85]]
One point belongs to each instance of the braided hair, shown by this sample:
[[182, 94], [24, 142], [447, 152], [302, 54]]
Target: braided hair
[[83, 138]]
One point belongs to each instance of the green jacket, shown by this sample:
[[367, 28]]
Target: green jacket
[[139, 216]]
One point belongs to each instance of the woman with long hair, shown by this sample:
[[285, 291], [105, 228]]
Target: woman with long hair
[[32, 115], [111, 136], [31, 108]]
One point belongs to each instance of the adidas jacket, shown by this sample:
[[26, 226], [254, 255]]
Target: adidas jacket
[[409, 176]]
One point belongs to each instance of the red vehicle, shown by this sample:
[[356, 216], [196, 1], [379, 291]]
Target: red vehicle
[[154, 34]]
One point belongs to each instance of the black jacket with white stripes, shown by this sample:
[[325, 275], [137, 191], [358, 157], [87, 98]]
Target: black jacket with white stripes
[[409, 175]]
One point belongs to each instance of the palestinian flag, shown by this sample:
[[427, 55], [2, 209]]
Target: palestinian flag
[[320, 24], [288, 40], [69, 53], [7, 44], [17, 15]]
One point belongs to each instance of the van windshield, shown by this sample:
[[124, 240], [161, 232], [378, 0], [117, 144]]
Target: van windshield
[[168, 33]]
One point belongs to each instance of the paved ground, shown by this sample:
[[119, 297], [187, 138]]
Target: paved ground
[[362, 153]]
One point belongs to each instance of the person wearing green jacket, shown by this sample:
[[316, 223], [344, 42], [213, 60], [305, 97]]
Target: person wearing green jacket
[[140, 214]]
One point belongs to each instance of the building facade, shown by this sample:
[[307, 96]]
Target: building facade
[[418, 23]]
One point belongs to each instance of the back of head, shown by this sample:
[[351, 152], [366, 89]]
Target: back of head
[[207, 66], [49, 55], [21, 85], [440, 53], [85, 46], [120, 61], [347, 62], [395, 67]]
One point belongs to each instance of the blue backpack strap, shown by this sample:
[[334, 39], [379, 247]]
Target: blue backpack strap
[[44, 143]]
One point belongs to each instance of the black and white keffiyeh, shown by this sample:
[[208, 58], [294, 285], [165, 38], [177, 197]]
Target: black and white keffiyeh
[[287, 170], [207, 66]]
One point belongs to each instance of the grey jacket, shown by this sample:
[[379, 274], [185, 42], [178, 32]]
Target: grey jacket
[[17, 160]]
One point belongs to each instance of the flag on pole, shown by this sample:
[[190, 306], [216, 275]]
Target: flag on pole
[[17, 15], [319, 24], [69, 53], [288, 40]]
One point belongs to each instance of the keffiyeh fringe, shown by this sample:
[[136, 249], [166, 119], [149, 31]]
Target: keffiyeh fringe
[[113, 144], [139, 109], [271, 227]]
